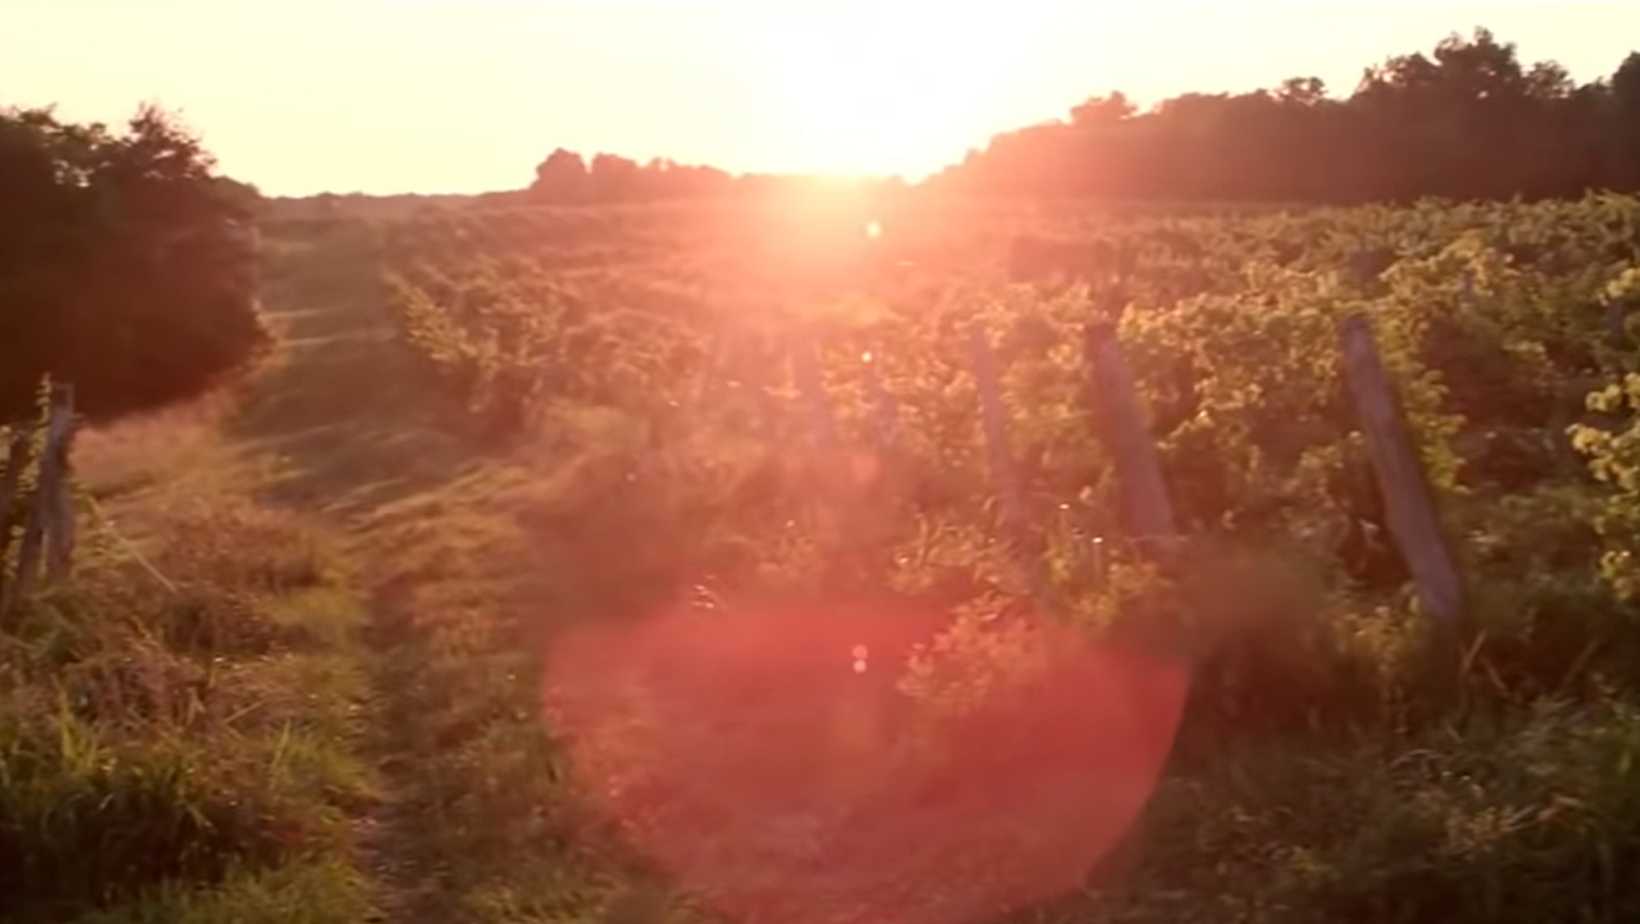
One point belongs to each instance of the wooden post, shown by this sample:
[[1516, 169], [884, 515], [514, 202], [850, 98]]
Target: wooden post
[[996, 432], [806, 370], [45, 513], [1408, 499], [1001, 457], [60, 532], [1145, 504]]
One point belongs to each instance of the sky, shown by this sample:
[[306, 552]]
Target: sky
[[384, 96]]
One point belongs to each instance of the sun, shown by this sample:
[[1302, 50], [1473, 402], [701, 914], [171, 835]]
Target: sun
[[886, 88]]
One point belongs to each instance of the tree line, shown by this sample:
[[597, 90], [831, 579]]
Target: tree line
[[1470, 121]]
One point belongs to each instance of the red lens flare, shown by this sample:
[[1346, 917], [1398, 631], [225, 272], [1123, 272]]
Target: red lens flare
[[843, 767]]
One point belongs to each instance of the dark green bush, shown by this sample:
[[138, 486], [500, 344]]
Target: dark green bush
[[125, 265]]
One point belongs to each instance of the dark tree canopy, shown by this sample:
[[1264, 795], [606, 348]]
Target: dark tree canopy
[[1467, 121], [562, 177], [124, 263]]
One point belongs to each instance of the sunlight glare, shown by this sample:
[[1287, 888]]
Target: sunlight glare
[[880, 88]]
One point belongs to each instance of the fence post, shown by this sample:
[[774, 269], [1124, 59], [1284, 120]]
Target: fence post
[[49, 500], [706, 387], [60, 527], [1145, 503], [1003, 472], [1408, 499]]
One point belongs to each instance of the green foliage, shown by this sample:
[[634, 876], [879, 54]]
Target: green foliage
[[1614, 458], [509, 339], [1326, 768], [1487, 317]]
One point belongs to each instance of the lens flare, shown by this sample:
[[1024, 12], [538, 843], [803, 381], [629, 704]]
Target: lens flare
[[732, 751]]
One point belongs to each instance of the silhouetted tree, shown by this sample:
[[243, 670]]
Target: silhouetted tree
[[125, 264], [562, 177], [614, 178], [1625, 106], [1102, 110]]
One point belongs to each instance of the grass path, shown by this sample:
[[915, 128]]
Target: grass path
[[325, 408], [332, 406], [473, 816]]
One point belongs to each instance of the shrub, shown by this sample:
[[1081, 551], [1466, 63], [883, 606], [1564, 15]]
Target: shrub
[[125, 266]]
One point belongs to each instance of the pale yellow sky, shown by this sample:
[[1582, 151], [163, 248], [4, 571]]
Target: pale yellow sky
[[301, 96]]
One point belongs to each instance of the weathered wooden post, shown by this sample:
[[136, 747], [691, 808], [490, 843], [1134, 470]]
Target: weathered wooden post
[[1000, 455], [994, 419], [1147, 509], [60, 531], [1145, 503], [1408, 499], [51, 514]]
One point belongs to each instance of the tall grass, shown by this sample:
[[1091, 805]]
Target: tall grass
[[170, 747]]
